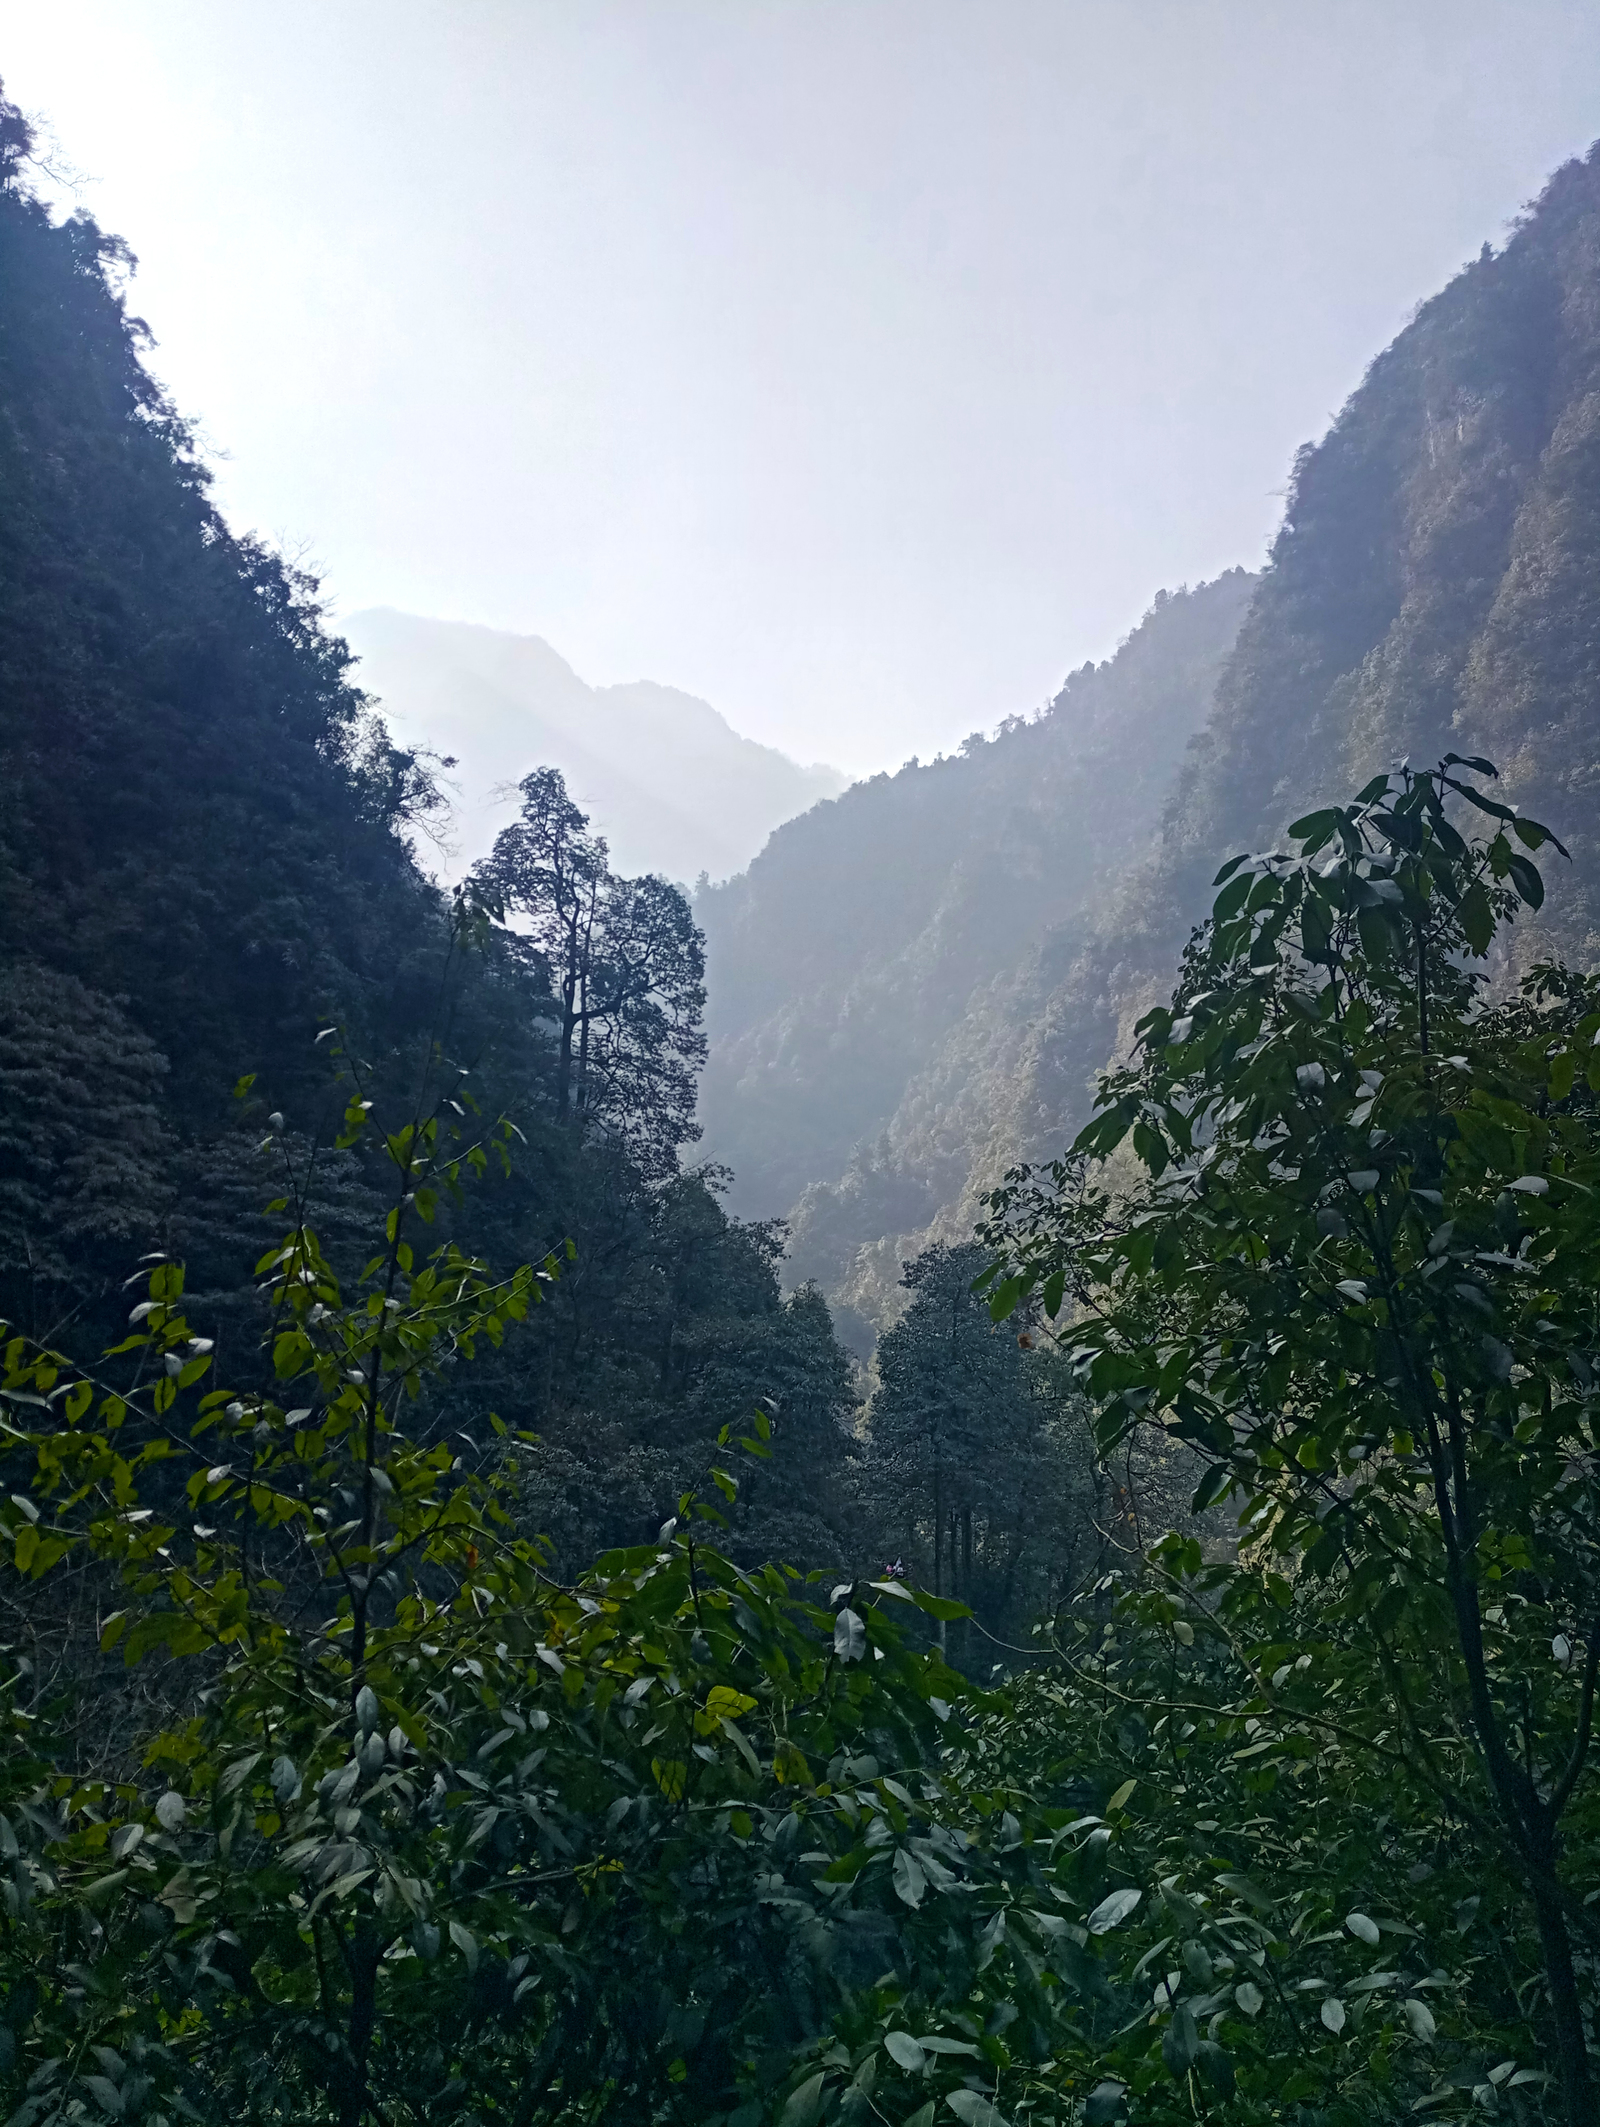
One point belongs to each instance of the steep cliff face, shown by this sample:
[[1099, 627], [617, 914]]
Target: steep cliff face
[[1435, 587], [867, 975], [1436, 583], [973, 941]]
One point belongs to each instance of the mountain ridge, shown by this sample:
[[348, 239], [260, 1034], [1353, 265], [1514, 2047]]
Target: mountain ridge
[[1433, 588], [855, 970], [664, 775]]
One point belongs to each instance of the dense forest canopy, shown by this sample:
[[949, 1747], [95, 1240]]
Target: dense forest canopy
[[476, 1645], [209, 856]]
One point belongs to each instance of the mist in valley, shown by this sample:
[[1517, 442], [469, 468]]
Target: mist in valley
[[799, 982]]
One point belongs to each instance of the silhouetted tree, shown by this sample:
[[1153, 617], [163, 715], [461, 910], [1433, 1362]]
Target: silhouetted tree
[[625, 967]]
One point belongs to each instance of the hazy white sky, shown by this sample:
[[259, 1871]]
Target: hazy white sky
[[858, 364]]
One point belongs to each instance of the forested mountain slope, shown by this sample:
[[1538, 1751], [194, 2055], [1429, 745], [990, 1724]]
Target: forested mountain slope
[[1436, 582], [205, 861], [197, 818], [677, 789], [1435, 586], [868, 975]]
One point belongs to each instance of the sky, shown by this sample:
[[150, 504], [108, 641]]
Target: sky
[[860, 365]]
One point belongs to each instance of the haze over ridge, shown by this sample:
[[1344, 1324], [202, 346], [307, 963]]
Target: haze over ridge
[[665, 777], [1431, 590], [861, 368]]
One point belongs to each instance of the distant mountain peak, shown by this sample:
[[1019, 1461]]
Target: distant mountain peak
[[664, 775]]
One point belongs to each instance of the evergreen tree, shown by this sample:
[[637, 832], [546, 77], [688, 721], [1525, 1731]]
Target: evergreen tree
[[977, 1470], [670, 1325], [624, 966], [205, 862]]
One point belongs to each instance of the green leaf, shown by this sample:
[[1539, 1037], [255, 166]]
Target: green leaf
[[1378, 934], [1217, 1481], [1477, 918], [1215, 2065], [1180, 2042], [1534, 835], [1232, 898], [1316, 928], [1316, 826], [1151, 1147], [804, 2104], [671, 1776], [1103, 2104], [973, 2109], [1525, 878], [1420, 2017], [1113, 1910], [1003, 1300], [904, 2051], [105, 1887], [1492, 806], [1243, 1887], [910, 1883], [235, 1775]]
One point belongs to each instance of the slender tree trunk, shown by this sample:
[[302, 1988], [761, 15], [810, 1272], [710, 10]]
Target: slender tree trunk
[[669, 1330], [1566, 2006], [1019, 1541], [582, 967], [361, 1960], [938, 1538], [1100, 1477], [938, 1529], [569, 1018], [1531, 1822], [583, 1044]]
